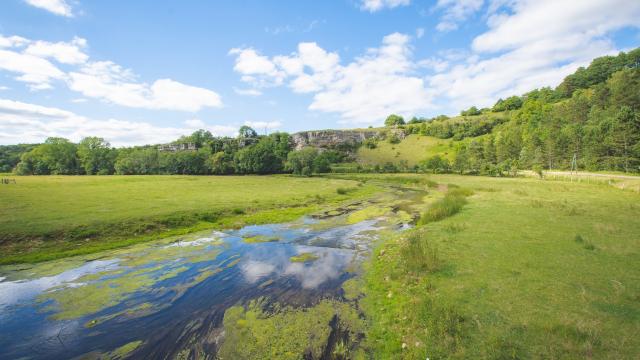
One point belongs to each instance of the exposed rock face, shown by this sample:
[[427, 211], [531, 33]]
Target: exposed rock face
[[328, 139]]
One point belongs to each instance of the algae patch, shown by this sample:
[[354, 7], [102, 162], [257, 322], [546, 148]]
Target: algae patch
[[286, 333], [304, 257], [260, 239]]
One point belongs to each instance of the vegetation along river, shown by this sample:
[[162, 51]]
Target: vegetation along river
[[177, 297]]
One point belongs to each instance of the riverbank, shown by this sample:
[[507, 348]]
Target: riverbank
[[526, 268], [50, 217]]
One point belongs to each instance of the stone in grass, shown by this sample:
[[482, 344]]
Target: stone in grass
[[304, 257]]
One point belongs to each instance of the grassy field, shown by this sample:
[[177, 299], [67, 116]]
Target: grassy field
[[413, 149], [527, 268], [46, 217]]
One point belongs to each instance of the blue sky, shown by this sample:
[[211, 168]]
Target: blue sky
[[137, 72]]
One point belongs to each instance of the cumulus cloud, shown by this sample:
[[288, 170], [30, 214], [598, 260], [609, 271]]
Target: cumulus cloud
[[110, 82], [29, 123], [62, 52], [40, 63], [58, 7], [366, 90], [37, 72], [456, 11], [532, 44], [377, 5]]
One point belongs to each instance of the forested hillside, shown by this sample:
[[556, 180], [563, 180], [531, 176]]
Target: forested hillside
[[590, 121], [593, 114]]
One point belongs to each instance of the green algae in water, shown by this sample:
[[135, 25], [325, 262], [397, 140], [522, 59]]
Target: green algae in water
[[260, 239], [370, 212], [124, 350], [88, 299], [285, 333], [304, 257]]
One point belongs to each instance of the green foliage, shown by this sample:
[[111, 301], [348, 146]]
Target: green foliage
[[96, 156], [394, 120], [57, 156], [472, 111], [435, 164], [510, 103], [10, 155]]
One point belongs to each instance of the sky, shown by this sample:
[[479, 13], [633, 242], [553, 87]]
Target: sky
[[148, 71]]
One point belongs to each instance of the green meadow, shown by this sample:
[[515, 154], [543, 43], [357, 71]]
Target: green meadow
[[48, 217], [497, 268], [413, 149], [512, 269]]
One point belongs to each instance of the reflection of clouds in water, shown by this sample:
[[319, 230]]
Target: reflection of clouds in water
[[196, 242], [254, 270], [345, 237], [215, 236], [329, 266], [12, 292]]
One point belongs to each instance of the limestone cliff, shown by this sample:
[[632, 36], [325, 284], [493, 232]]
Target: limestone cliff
[[329, 139]]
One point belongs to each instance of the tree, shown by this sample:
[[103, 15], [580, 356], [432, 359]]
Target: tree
[[96, 156], [57, 156], [220, 163], [394, 120], [246, 132], [301, 162], [267, 156], [472, 111], [138, 161], [436, 164]]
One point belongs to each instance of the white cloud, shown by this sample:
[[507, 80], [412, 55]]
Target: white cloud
[[456, 11], [58, 7], [37, 72], [419, 33], [256, 69], [380, 82], [63, 52], [28, 123], [534, 44], [110, 82], [247, 92], [377, 5], [12, 41], [264, 125], [105, 80]]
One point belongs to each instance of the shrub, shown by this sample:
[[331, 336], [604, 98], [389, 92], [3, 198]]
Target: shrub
[[342, 191]]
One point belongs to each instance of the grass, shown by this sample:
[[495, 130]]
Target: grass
[[449, 205], [511, 280], [49, 217], [413, 149]]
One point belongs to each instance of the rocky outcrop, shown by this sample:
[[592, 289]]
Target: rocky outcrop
[[331, 139]]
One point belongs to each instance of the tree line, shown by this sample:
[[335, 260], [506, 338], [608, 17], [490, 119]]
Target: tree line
[[248, 153]]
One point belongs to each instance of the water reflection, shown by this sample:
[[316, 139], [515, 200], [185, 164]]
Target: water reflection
[[133, 294]]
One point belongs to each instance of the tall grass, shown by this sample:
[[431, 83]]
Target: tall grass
[[420, 254], [449, 205]]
